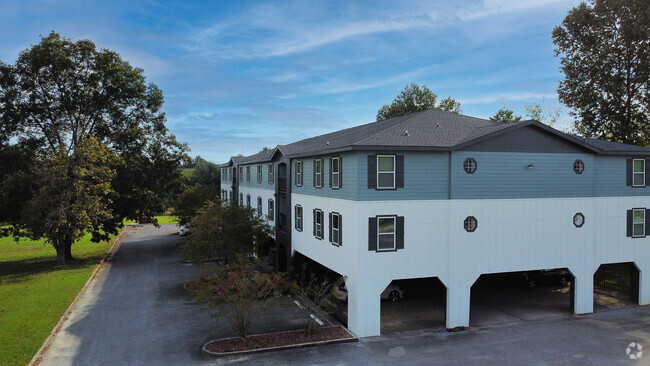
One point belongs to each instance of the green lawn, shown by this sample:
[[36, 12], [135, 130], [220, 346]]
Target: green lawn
[[166, 219], [34, 292]]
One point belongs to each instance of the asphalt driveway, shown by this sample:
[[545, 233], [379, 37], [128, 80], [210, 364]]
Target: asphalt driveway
[[136, 311]]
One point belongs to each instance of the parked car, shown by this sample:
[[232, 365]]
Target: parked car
[[530, 279], [184, 230], [392, 293]]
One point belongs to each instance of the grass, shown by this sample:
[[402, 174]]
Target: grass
[[187, 173], [34, 291], [167, 219]]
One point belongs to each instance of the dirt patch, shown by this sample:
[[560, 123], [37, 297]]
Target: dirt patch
[[273, 340]]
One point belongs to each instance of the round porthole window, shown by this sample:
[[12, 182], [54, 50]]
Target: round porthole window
[[578, 166], [469, 165], [578, 219], [470, 224]]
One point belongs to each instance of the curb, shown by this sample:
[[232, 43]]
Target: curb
[[278, 348], [57, 328]]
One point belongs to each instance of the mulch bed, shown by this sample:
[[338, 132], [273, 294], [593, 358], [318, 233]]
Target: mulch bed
[[273, 340]]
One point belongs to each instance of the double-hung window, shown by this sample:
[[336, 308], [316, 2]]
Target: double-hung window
[[259, 205], [271, 214], [638, 223], [638, 172], [335, 171], [299, 173], [318, 173], [298, 216], [335, 228], [271, 173], [259, 173], [385, 171], [248, 173], [241, 199], [248, 201], [318, 223], [241, 174], [386, 233]]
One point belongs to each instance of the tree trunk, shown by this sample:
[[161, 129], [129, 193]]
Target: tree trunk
[[60, 254], [68, 251]]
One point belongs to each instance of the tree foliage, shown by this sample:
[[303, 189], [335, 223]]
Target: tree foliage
[[71, 195], [59, 93], [205, 173], [315, 294], [415, 99], [224, 231], [237, 292], [187, 204], [604, 48], [506, 115]]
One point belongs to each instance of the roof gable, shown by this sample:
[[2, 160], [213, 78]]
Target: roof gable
[[529, 138]]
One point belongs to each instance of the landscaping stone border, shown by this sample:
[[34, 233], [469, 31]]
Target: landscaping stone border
[[352, 338]]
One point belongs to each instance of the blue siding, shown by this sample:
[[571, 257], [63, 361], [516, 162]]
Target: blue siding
[[506, 175], [348, 190], [425, 178], [611, 178], [265, 177]]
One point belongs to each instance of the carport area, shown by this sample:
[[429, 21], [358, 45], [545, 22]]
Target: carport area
[[616, 285], [422, 308]]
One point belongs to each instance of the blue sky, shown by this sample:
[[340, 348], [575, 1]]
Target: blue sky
[[241, 75]]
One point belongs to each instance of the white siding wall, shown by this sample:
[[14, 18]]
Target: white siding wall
[[512, 235], [266, 194]]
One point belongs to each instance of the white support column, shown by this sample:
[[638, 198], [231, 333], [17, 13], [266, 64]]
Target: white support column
[[364, 307], [583, 296], [644, 282], [458, 298]]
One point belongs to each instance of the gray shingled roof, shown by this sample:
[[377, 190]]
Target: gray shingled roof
[[426, 130]]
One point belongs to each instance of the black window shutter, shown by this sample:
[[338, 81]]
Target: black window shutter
[[372, 173], [314, 222], [340, 172], [340, 229], [372, 233], [647, 222], [399, 171], [629, 223], [314, 173], [330, 228], [330, 172], [295, 214], [647, 171], [629, 172], [399, 234]]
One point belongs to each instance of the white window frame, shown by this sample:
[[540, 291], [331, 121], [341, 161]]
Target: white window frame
[[299, 171], [259, 173], [241, 199], [241, 174], [634, 223], [271, 174], [387, 172], [642, 173], [319, 213], [318, 175], [336, 239], [336, 175], [271, 210], [248, 173], [393, 234], [299, 218], [248, 201], [259, 205]]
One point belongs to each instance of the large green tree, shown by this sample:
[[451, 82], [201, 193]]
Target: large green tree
[[415, 98], [60, 92], [506, 115], [604, 48]]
